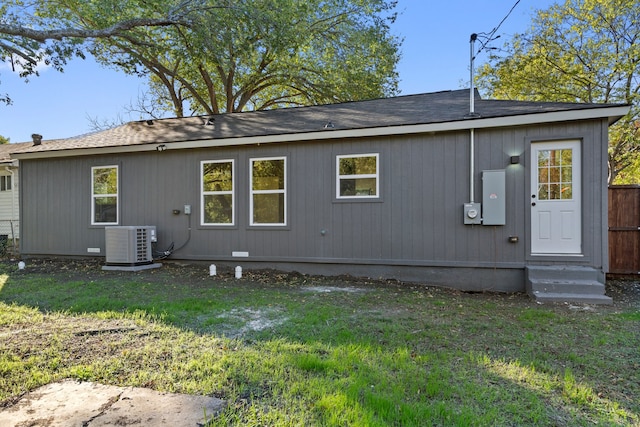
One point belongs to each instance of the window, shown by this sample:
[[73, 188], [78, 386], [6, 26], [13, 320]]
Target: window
[[555, 179], [104, 195], [217, 192], [5, 183], [268, 191], [357, 176]]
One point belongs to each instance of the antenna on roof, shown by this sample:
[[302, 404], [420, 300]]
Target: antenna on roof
[[488, 37], [472, 42]]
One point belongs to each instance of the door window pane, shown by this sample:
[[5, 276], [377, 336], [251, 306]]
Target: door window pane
[[555, 175]]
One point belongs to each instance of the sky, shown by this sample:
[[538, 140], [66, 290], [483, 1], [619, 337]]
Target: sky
[[434, 57]]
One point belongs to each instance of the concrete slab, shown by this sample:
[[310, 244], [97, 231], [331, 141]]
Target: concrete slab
[[85, 404], [131, 267]]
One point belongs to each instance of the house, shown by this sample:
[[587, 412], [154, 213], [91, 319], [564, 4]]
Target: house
[[9, 198], [512, 197]]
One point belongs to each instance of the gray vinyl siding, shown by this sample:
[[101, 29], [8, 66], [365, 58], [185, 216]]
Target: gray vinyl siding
[[416, 221]]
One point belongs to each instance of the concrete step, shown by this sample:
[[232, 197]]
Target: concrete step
[[561, 297], [566, 283], [566, 286], [564, 272]]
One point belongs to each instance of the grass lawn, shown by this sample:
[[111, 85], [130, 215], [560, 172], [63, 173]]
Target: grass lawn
[[293, 350]]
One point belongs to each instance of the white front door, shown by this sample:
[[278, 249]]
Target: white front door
[[556, 226]]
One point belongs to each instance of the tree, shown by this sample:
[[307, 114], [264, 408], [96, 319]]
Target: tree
[[579, 51], [30, 35], [4, 140], [254, 54]]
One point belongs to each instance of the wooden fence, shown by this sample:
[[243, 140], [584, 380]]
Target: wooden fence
[[624, 229]]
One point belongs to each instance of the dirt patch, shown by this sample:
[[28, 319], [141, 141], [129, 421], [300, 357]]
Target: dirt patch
[[329, 289], [250, 320], [625, 292]]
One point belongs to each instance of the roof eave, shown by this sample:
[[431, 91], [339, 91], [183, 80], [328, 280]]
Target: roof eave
[[613, 113]]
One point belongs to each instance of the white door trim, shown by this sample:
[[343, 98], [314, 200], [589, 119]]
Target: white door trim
[[556, 198]]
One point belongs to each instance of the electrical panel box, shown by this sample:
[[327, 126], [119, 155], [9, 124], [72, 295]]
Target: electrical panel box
[[493, 197], [472, 213]]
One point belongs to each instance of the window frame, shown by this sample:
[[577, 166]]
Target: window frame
[[204, 193], [6, 183], [340, 177], [253, 192], [94, 196]]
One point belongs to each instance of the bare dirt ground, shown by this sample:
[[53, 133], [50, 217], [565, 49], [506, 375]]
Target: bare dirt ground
[[625, 290]]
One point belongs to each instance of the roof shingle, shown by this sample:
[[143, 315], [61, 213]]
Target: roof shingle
[[438, 107]]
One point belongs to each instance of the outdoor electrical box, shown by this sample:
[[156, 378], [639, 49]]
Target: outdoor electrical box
[[493, 197], [472, 213]]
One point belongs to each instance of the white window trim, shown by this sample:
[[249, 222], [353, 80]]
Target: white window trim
[[341, 177], [204, 193], [4, 179], [94, 195], [253, 192]]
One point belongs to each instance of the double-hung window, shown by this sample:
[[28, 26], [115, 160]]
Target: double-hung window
[[217, 192], [104, 195], [5, 183], [268, 191], [358, 176]]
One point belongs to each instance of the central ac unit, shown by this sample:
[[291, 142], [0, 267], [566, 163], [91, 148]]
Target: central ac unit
[[129, 245]]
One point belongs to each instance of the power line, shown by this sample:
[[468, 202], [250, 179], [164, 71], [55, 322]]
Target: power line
[[489, 37]]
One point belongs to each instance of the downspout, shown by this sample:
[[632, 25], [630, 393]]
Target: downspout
[[13, 201]]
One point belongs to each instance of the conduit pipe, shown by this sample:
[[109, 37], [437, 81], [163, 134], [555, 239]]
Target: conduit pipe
[[472, 114], [471, 164]]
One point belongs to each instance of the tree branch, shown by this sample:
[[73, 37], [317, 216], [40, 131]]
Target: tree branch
[[62, 33]]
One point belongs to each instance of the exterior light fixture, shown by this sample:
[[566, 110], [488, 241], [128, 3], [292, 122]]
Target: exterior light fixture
[[515, 160]]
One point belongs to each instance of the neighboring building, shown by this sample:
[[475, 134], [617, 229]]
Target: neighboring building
[[513, 197], [9, 200]]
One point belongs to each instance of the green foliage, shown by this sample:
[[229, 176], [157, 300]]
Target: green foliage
[[257, 54], [25, 54], [3, 139], [578, 51], [43, 33], [215, 56]]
